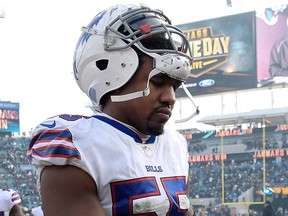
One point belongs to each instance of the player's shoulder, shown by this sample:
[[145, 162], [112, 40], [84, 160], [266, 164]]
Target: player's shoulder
[[4, 194], [172, 133], [175, 138], [61, 121], [57, 139], [7, 192], [9, 195]]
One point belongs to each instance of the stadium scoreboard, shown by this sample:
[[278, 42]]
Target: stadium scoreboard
[[9, 117]]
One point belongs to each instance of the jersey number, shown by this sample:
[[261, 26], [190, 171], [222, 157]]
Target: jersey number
[[129, 191]]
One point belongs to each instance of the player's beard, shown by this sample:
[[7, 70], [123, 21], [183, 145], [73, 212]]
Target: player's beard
[[156, 130], [155, 126]]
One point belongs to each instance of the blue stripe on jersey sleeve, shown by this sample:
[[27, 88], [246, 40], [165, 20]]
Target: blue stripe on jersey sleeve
[[57, 151], [49, 135], [53, 143]]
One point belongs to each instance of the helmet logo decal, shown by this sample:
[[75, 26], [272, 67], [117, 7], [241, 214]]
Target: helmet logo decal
[[92, 94], [145, 29], [85, 35], [83, 40]]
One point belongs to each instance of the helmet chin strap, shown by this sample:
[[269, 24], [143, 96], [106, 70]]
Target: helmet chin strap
[[196, 112], [138, 94]]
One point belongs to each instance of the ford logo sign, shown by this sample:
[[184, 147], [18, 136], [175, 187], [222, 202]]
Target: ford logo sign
[[207, 83]]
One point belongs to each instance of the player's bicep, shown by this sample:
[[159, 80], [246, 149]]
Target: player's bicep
[[68, 190], [16, 211]]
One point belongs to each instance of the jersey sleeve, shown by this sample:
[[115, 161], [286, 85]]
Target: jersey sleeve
[[15, 198], [10, 198], [52, 142]]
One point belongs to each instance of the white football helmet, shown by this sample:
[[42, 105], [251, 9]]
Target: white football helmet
[[105, 57]]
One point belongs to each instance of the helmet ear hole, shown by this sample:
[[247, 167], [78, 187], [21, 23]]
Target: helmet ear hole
[[102, 64]]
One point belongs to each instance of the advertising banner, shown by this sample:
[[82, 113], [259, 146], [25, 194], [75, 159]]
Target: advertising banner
[[224, 54], [9, 117]]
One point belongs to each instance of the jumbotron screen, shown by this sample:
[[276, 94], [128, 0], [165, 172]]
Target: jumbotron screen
[[224, 54], [9, 117], [272, 40]]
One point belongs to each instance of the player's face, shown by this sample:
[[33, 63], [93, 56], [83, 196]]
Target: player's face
[[149, 114]]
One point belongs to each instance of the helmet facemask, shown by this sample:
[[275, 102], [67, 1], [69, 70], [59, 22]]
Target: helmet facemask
[[152, 33]]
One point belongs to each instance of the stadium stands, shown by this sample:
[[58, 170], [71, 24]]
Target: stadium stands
[[16, 172], [249, 166]]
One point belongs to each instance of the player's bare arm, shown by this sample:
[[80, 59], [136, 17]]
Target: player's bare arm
[[68, 190], [16, 211]]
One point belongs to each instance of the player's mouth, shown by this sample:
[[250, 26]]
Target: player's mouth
[[163, 113]]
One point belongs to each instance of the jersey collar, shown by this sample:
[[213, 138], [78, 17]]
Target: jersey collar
[[125, 129]]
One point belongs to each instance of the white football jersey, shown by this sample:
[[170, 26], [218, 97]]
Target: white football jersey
[[8, 198], [37, 211], [132, 177]]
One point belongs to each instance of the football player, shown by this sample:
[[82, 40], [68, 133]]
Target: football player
[[37, 211], [10, 203], [125, 160]]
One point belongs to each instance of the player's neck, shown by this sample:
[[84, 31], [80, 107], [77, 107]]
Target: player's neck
[[142, 136]]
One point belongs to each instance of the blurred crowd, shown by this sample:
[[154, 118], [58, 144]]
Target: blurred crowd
[[17, 173]]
